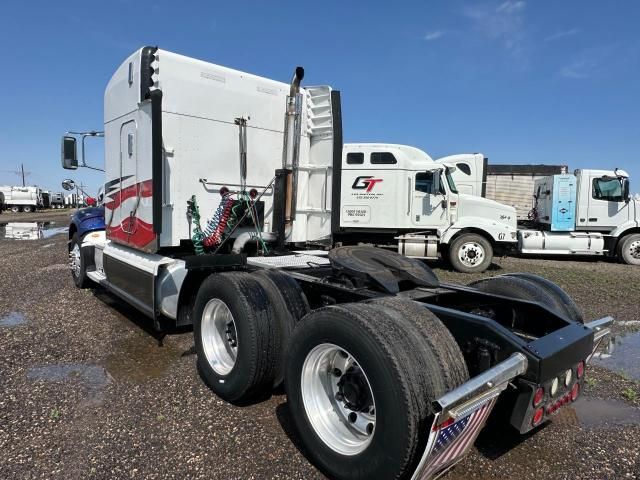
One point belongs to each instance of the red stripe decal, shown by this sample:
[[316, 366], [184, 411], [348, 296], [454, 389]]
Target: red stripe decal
[[132, 231], [142, 189]]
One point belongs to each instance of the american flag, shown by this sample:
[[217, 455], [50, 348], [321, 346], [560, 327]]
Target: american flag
[[452, 441]]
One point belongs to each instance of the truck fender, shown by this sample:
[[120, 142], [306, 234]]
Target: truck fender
[[618, 234], [494, 231], [625, 229]]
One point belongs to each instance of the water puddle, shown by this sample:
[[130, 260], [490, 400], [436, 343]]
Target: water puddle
[[91, 375], [596, 412], [137, 359], [29, 230], [621, 354], [12, 319]]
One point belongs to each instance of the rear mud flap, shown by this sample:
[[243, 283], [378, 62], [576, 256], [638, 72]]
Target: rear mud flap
[[461, 414]]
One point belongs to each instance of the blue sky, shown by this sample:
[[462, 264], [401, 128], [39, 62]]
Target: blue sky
[[520, 81]]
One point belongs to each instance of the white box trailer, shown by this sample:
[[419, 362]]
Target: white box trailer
[[515, 185], [366, 341]]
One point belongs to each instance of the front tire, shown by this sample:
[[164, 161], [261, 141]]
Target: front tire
[[470, 253], [629, 251], [77, 263], [236, 336]]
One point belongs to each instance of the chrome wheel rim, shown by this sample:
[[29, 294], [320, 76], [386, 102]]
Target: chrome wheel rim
[[338, 399], [219, 336], [634, 249], [74, 260], [471, 254]]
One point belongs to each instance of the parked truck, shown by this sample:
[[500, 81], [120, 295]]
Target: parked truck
[[57, 200], [589, 212], [22, 199], [389, 373], [396, 196]]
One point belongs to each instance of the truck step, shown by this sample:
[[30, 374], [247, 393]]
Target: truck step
[[97, 276]]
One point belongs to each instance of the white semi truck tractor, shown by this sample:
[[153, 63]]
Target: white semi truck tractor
[[397, 196], [219, 214]]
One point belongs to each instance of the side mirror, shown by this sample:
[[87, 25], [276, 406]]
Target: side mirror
[[68, 184], [69, 153], [625, 190], [437, 188]]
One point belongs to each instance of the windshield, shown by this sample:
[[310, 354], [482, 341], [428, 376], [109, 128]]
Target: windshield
[[452, 184]]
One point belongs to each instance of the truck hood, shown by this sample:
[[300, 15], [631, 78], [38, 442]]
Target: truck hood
[[473, 206]]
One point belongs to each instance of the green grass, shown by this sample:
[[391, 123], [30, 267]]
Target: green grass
[[630, 394]]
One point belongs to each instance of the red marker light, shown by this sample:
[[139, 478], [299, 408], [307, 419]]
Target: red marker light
[[537, 416], [537, 398], [580, 370], [575, 391]]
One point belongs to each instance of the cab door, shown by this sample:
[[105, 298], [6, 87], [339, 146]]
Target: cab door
[[606, 208], [129, 191], [429, 204]]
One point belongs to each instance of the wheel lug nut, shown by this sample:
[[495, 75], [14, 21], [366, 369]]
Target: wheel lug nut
[[337, 372], [353, 417]]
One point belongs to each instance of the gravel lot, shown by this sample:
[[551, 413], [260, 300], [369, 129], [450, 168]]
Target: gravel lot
[[88, 391]]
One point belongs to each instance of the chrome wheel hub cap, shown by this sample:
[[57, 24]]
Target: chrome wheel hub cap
[[338, 399], [74, 260], [471, 254], [634, 249], [219, 336]]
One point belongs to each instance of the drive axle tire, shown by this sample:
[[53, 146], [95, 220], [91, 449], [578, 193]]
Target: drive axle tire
[[523, 288], [237, 337], [470, 253], [15, 209], [359, 385], [289, 306], [27, 209], [77, 263], [629, 250], [562, 300], [430, 328]]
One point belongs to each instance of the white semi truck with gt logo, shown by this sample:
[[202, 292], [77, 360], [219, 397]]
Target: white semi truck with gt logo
[[392, 196], [389, 373]]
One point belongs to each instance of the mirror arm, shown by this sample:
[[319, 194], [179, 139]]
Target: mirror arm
[[84, 135]]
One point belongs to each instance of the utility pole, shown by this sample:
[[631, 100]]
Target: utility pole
[[22, 169]]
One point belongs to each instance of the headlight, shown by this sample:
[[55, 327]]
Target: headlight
[[554, 387]]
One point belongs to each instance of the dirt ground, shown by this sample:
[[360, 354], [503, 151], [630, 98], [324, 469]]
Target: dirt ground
[[88, 391]]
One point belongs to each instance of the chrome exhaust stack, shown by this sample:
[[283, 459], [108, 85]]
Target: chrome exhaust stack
[[291, 146]]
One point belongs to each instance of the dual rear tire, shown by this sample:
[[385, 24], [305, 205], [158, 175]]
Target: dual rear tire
[[360, 378], [242, 324], [531, 287]]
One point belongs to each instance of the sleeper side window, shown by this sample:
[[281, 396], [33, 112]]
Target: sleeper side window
[[355, 158], [383, 158]]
